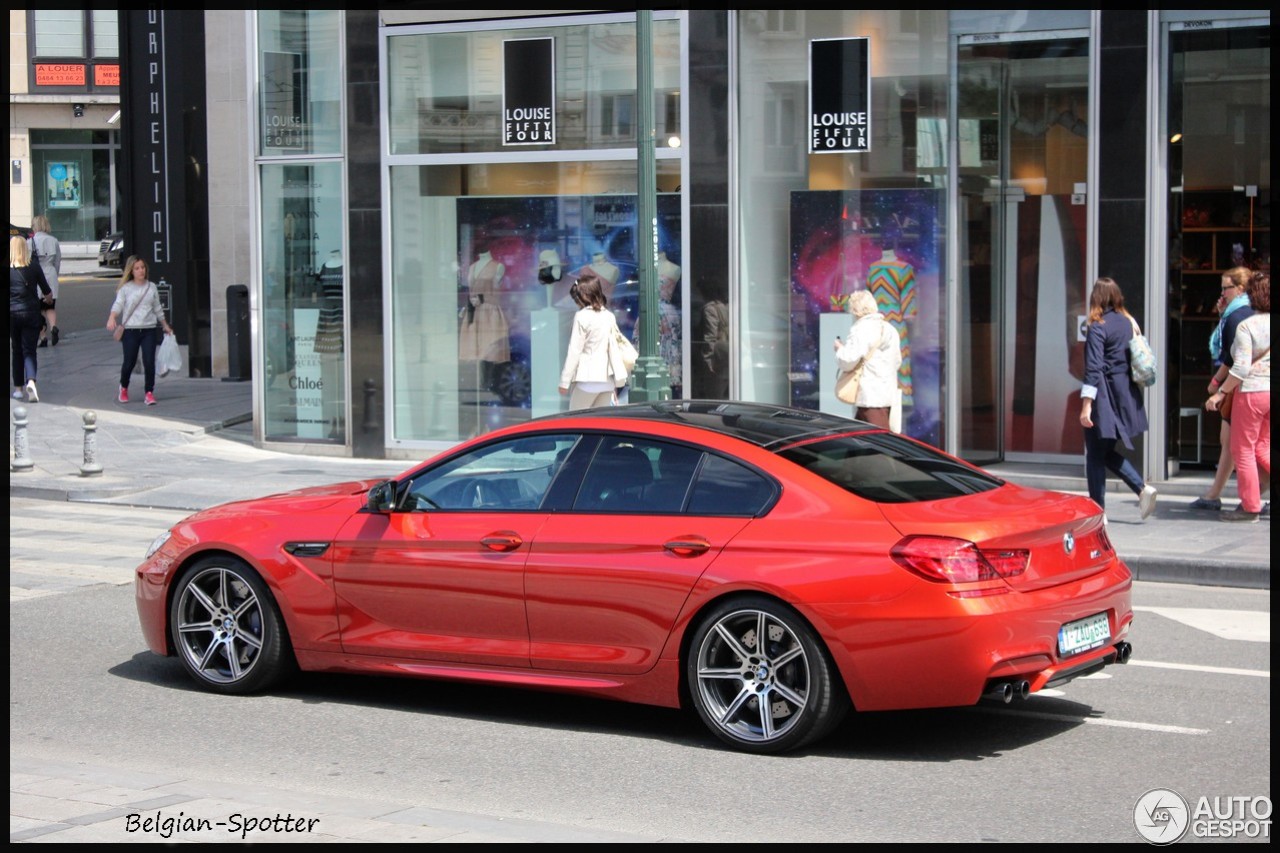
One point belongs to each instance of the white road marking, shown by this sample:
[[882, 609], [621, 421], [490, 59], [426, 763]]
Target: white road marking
[[1249, 625], [1191, 667], [1100, 721]]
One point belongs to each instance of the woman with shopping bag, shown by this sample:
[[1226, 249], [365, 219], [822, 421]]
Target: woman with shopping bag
[[132, 320]]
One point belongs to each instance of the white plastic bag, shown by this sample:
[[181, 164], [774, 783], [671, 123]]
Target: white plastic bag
[[168, 356]]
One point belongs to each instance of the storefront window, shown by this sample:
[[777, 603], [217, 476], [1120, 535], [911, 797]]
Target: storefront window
[[445, 89], [299, 82], [303, 303], [483, 257], [1218, 144], [814, 228], [73, 181]]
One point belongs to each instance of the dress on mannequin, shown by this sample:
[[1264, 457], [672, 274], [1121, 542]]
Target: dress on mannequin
[[329, 285], [485, 275], [607, 271], [670, 322], [893, 283]]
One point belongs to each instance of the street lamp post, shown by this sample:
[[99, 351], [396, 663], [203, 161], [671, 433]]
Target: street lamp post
[[652, 380]]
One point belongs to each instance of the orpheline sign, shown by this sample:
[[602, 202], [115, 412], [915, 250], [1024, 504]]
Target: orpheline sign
[[529, 91], [839, 95]]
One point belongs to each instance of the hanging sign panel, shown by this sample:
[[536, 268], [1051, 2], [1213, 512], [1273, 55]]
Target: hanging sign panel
[[839, 95], [529, 91]]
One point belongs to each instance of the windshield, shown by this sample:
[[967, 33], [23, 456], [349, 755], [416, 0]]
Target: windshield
[[887, 468]]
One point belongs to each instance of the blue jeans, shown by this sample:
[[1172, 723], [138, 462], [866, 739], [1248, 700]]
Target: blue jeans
[[135, 341], [1100, 456]]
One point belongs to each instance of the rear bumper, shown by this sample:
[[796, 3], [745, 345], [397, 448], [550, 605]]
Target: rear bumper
[[931, 650]]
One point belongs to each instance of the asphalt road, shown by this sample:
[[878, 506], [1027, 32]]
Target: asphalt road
[[1191, 713]]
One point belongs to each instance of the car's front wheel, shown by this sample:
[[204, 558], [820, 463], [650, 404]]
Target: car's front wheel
[[227, 629], [760, 678]]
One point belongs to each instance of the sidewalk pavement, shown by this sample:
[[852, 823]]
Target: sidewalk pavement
[[195, 449]]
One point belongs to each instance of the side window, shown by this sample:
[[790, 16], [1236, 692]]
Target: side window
[[510, 475], [630, 474], [724, 487]]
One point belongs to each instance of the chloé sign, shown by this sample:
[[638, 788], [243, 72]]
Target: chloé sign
[[529, 91], [839, 95]]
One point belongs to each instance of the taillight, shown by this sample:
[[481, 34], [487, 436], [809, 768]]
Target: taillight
[[945, 560]]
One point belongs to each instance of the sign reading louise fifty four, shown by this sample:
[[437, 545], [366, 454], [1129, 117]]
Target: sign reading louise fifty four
[[839, 95], [529, 91]]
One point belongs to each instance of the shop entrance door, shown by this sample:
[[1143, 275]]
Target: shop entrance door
[[1022, 110]]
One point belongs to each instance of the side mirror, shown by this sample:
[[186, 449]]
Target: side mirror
[[382, 497]]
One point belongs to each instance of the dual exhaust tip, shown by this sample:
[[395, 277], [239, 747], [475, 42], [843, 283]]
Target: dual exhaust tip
[[1005, 691]]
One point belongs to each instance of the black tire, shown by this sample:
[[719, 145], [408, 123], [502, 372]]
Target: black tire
[[227, 629], [763, 698]]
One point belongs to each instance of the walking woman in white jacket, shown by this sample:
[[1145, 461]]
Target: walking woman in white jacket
[[593, 367]]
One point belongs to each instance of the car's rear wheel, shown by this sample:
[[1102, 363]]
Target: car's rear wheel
[[227, 628], [760, 678]]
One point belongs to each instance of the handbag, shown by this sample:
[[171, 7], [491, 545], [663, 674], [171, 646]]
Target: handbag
[[847, 382], [1142, 361], [118, 333], [626, 350]]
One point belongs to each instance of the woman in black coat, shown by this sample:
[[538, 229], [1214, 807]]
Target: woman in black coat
[[1110, 402], [28, 292]]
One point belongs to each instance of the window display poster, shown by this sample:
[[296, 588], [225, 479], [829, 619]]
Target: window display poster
[[282, 101], [890, 243], [64, 184], [508, 248]]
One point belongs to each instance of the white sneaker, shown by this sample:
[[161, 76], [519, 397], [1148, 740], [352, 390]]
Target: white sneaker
[[1147, 501], [33, 396]]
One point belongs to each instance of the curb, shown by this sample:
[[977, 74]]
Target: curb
[[1198, 572]]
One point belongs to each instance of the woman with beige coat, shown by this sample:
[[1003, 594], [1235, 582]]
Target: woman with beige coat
[[593, 368], [873, 343]]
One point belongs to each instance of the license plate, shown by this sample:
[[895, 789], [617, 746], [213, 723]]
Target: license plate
[[1083, 634]]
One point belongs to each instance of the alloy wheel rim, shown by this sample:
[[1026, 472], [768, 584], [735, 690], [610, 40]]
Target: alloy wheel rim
[[220, 625], [753, 676]]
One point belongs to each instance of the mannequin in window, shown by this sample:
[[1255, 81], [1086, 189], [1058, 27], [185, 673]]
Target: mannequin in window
[[606, 270], [483, 336], [670, 322], [485, 275], [329, 281], [550, 272], [892, 282]]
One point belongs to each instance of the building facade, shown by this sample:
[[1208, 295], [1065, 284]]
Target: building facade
[[407, 195]]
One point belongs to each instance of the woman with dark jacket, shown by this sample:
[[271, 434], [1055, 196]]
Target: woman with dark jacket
[[1110, 402], [26, 284]]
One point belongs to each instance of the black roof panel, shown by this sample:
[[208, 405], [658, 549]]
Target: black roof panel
[[759, 423]]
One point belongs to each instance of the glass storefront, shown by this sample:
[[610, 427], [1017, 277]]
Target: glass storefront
[[1217, 134], [75, 181], [814, 228], [303, 346], [483, 252]]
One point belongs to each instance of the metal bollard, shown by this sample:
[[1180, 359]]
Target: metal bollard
[[21, 456], [91, 466]]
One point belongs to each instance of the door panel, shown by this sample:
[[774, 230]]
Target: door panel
[[604, 590], [1023, 169], [427, 585]]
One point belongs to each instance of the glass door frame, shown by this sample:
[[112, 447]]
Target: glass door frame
[[958, 39], [1158, 455]]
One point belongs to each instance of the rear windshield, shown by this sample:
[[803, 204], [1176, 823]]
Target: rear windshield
[[887, 468]]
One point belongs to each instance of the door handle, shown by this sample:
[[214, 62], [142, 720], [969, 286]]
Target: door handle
[[690, 546], [502, 540]]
